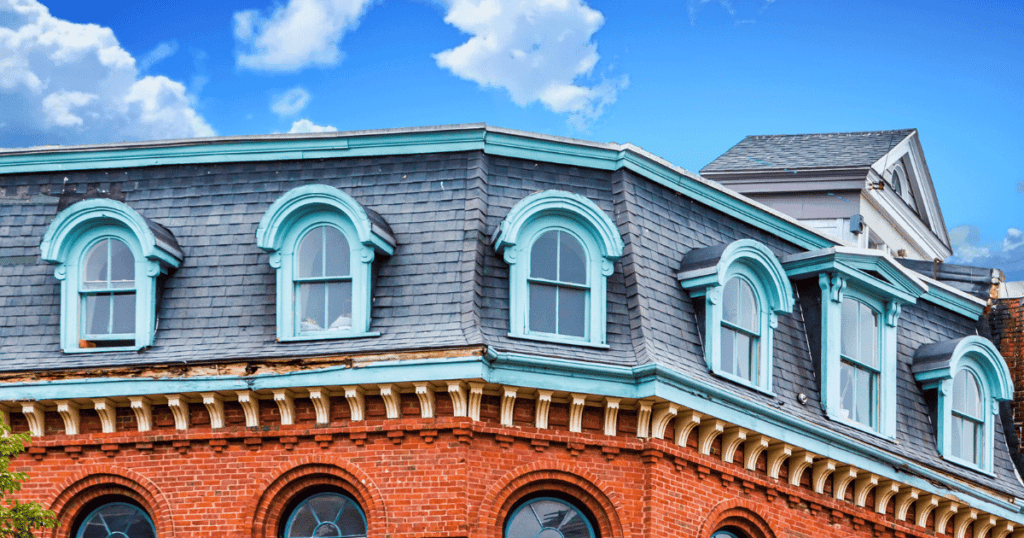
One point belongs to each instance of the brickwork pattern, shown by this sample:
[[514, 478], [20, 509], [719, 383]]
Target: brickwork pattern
[[1007, 318]]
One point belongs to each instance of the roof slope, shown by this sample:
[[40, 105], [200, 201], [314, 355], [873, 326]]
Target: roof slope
[[824, 150]]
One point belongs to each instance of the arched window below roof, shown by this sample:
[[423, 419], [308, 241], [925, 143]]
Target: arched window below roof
[[117, 520], [548, 517], [326, 515]]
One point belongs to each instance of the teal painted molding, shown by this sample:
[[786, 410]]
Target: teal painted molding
[[579, 217], [473, 137], [287, 222], [861, 266], [560, 375], [953, 302], [68, 240]]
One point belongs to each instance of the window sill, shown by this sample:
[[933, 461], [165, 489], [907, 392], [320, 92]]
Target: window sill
[[103, 349], [968, 465], [329, 336], [742, 381], [555, 339], [862, 427]]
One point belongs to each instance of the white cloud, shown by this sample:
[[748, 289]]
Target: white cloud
[[159, 53], [300, 34], [1007, 255], [69, 83], [535, 49], [694, 7], [306, 126], [290, 102], [1014, 239]]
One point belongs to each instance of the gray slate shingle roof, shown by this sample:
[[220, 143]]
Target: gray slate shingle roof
[[825, 150]]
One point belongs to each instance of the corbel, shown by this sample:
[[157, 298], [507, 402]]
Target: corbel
[[179, 408], [662, 413], [820, 472], [752, 449], [885, 490], [643, 418], [321, 399], [963, 519], [508, 406], [457, 392], [923, 508], [732, 438], [576, 405], [215, 407], [685, 423], [798, 463], [143, 409], [707, 433], [892, 313], [107, 411], [841, 480], [983, 524], [611, 416], [862, 486], [250, 407], [1002, 529], [777, 455], [35, 416], [285, 401], [425, 394], [68, 411], [542, 409], [943, 513], [905, 498], [392, 400], [476, 394], [355, 396]]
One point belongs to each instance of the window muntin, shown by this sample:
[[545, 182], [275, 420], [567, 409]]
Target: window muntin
[[107, 294], [741, 331], [546, 517], [117, 520], [326, 515], [859, 370], [323, 281], [558, 290], [967, 424]]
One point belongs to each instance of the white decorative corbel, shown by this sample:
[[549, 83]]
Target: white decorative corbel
[[543, 407], [68, 411], [460, 403], [885, 490], [355, 396], [143, 409], [752, 449], [576, 405], [285, 401], [777, 455], [904, 499], [820, 473], [685, 423], [321, 399], [425, 394], [798, 463], [508, 405], [862, 487], [107, 411], [841, 480], [732, 438], [179, 408], [923, 508], [945, 511], [33, 412], [250, 407], [661, 415], [215, 407], [707, 433], [1002, 529], [392, 400], [643, 418], [963, 519], [611, 415], [476, 394], [984, 523]]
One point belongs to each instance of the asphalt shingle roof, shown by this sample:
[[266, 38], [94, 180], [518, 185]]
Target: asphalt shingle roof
[[825, 150]]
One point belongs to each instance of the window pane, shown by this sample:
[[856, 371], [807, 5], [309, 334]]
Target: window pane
[[849, 329], [574, 526], [731, 301], [542, 308], [339, 305], [748, 308], [549, 513], [310, 258], [865, 395], [350, 521], [312, 314], [326, 507], [973, 396], [122, 265], [979, 444], [123, 313], [572, 312], [337, 252], [572, 261], [969, 441], [868, 336], [544, 256], [303, 523], [94, 275], [97, 314], [524, 525], [117, 520], [847, 389], [960, 391], [743, 355], [728, 359], [956, 447]]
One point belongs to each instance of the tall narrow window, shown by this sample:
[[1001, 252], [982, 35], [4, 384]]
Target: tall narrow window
[[967, 425], [326, 515], [117, 520], [546, 517], [741, 332], [108, 295], [323, 282], [859, 369], [558, 285]]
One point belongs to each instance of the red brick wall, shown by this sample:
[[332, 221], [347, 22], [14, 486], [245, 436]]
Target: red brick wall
[[1007, 320], [414, 477]]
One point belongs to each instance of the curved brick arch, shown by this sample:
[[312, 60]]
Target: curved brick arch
[[539, 477], [264, 512], [93, 481], [738, 513]]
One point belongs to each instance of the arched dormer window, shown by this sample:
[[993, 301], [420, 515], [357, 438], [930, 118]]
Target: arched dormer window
[[560, 248], [322, 244], [744, 288], [108, 261], [970, 378]]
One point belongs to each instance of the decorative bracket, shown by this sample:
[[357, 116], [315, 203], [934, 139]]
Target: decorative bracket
[[215, 407], [820, 473], [460, 404], [885, 490], [643, 419], [543, 407], [732, 438], [662, 414], [707, 434], [611, 415], [685, 423], [250, 406], [355, 396], [476, 394], [108, 414], [143, 409], [752, 449], [179, 408], [285, 401], [798, 463], [508, 406], [68, 411], [841, 480], [425, 394], [392, 400], [576, 405], [777, 455], [321, 399]]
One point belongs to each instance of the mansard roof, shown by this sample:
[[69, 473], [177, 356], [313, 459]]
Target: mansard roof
[[822, 150]]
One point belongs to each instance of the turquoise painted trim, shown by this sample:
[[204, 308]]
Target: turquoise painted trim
[[855, 266], [953, 302], [67, 241], [570, 213], [285, 224], [561, 375]]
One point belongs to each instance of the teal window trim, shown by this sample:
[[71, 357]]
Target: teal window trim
[[288, 220], [704, 276], [581, 218], [67, 241], [935, 368]]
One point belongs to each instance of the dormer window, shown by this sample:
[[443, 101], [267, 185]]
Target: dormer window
[[741, 332], [859, 365], [558, 285], [108, 295], [967, 423], [323, 282]]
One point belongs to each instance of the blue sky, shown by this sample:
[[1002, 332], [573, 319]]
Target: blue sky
[[684, 79]]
